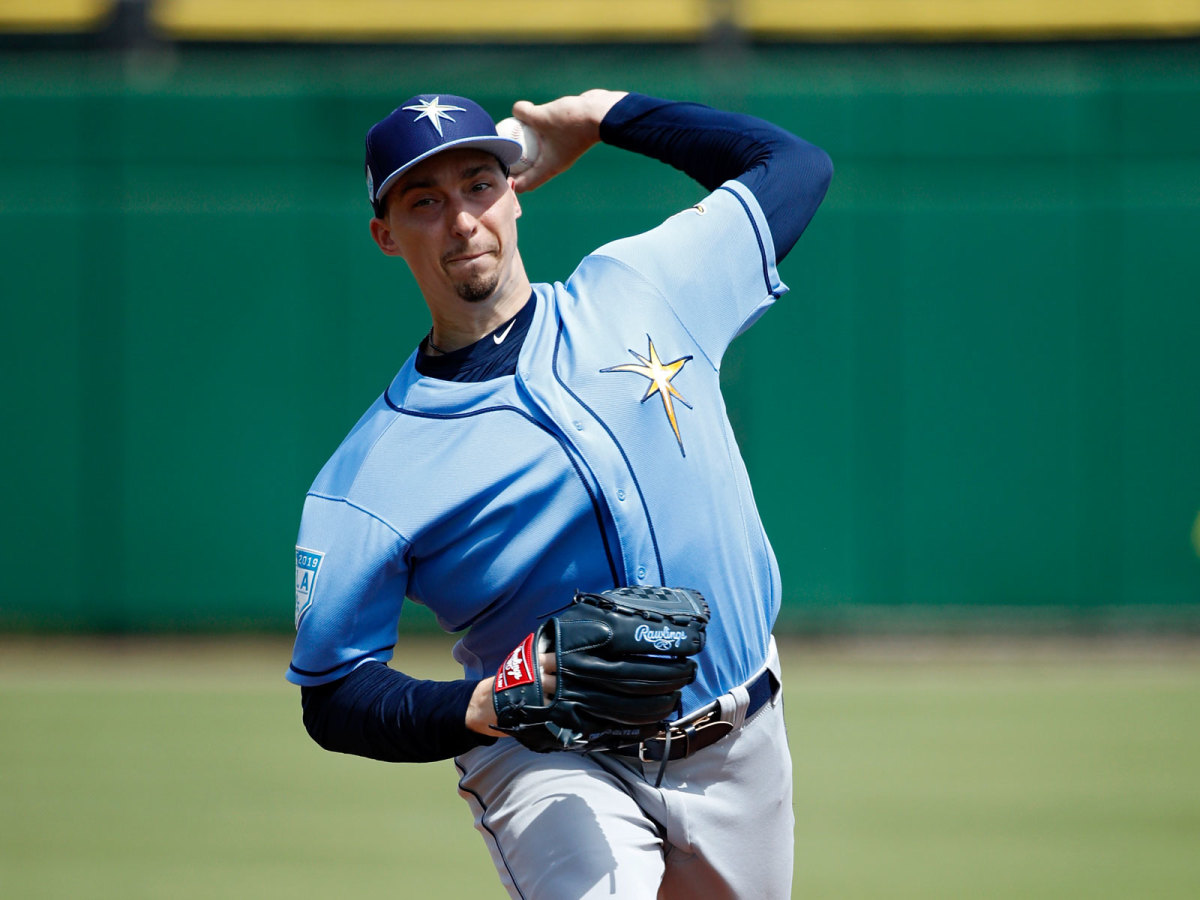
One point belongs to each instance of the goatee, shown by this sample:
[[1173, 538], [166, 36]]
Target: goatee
[[477, 289]]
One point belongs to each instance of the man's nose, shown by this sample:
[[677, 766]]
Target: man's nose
[[463, 221]]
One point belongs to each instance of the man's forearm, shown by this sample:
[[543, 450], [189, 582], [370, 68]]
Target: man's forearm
[[383, 714], [788, 175]]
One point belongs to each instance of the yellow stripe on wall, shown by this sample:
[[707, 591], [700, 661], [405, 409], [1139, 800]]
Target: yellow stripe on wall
[[622, 20], [53, 15], [959, 19], [432, 20]]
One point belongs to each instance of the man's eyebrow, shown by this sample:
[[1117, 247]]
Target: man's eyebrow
[[428, 182], [472, 171], [415, 183]]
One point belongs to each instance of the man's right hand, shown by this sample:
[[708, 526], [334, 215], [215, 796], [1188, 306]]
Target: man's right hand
[[568, 127]]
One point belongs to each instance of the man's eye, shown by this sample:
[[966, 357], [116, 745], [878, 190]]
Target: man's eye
[[424, 201], [481, 186]]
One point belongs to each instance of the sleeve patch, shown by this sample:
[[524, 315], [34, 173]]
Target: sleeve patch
[[308, 565]]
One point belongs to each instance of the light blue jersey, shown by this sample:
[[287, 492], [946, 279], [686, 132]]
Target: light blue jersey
[[606, 459]]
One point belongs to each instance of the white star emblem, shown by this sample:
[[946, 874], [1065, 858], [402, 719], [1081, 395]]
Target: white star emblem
[[434, 110]]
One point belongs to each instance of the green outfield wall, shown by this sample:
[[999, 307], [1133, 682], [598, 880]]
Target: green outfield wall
[[979, 406]]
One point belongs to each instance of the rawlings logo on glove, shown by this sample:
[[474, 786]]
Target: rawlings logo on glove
[[663, 639], [518, 669], [623, 656]]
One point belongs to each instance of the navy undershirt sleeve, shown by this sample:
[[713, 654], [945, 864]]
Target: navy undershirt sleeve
[[787, 175], [381, 713]]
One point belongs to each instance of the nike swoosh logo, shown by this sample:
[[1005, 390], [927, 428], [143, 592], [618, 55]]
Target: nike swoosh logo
[[499, 338]]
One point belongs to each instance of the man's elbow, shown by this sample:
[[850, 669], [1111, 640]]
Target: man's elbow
[[315, 705], [819, 165]]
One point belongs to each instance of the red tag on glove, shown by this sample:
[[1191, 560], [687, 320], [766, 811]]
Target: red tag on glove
[[517, 668]]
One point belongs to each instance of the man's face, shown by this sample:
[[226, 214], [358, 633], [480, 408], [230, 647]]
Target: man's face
[[453, 219]]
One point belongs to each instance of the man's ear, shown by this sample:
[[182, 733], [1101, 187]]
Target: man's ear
[[383, 237], [516, 202]]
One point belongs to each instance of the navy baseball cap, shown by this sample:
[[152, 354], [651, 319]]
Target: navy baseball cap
[[425, 125]]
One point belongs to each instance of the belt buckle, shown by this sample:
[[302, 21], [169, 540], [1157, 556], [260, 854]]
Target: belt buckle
[[676, 736], [703, 723]]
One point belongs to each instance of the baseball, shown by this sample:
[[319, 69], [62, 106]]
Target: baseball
[[531, 145]]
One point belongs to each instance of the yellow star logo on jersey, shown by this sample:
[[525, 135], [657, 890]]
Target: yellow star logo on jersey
[[660, 375]]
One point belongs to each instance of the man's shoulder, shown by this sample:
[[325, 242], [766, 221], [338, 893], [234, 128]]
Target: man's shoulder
[[397, 442], [376, 427], [731, 207]]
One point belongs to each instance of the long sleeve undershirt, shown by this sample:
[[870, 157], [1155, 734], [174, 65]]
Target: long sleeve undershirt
[[381, 713], [787, 175]]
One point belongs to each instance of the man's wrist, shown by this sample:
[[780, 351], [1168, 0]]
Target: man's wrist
[[481, 714], [600, 102]]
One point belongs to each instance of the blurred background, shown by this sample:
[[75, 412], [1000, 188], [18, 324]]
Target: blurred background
[[973, 425]]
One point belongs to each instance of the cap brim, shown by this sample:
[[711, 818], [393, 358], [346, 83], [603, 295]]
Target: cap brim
[[505, 149]]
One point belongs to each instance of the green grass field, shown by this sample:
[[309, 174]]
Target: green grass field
[[172, 769]]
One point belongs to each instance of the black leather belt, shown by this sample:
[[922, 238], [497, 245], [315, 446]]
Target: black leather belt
[[700, 729]]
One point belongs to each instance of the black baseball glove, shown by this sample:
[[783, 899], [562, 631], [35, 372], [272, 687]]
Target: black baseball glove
[[623, 656]]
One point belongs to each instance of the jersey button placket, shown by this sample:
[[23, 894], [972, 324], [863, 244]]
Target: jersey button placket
[[608, 466]]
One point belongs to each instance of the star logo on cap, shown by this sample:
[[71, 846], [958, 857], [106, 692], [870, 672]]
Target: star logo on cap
[[434, 110]]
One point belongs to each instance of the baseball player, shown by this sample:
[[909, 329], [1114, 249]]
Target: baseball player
[[546, 442]]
